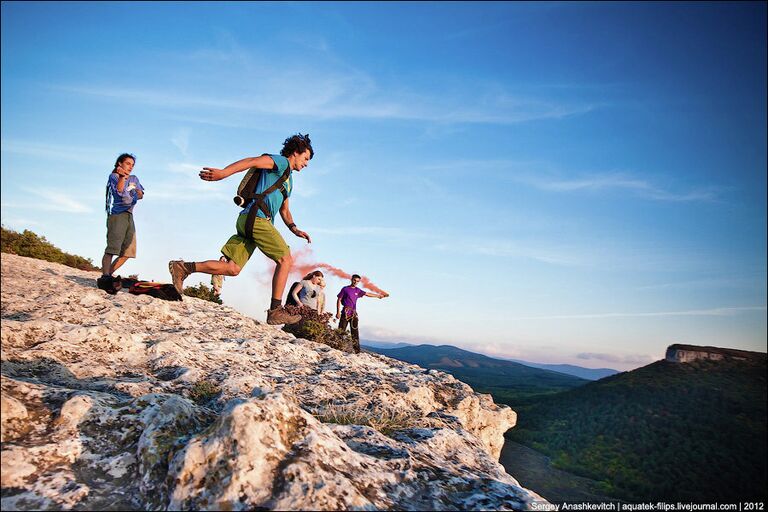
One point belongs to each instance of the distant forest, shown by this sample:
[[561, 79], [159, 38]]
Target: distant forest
[[668, 431]]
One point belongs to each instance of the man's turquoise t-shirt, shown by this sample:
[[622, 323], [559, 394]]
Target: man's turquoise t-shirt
[[275, 199]]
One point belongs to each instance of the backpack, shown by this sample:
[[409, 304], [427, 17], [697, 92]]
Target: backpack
[[163, 291], [246, 192], [290, 301]]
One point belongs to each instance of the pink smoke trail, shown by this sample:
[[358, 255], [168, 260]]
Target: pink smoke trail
[[304, 264]]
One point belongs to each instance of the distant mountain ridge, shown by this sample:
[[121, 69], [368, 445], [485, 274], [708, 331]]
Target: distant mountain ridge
[[568, 369], [508, 381], [384, 344]]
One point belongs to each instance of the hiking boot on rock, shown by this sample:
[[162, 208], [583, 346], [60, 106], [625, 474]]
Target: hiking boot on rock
[[109, 284], [178, 274], [280, 316]]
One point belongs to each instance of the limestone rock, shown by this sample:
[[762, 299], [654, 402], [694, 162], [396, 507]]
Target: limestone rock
[[131, 402]]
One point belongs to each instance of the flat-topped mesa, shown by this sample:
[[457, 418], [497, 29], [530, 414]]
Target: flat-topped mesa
[[679, 353], [132, 402]]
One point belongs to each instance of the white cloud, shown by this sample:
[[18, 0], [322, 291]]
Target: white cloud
[[337, 97], [180, 139], [190, 191], [546, 176], [366, 230], [250, 82], [636, 359], [517, 249], [185, 168], [617, 181], [701, 283], [52, 200], [725, 311], [19, 223], [89, 155], [375, 333]]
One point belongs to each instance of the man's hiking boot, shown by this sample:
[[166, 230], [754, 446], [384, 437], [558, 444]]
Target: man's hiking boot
[[109, 284], [178, 274], [280, 316]]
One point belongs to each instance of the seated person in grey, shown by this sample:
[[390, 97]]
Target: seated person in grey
[[309, 289]]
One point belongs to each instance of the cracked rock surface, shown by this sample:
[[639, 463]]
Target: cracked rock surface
[[128, 402]]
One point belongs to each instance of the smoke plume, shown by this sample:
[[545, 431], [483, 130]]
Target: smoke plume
[[304, 264]]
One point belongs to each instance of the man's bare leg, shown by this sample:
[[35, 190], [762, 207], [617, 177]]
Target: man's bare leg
[[180, 270], [277, 313], [218, 267], [280, 277]]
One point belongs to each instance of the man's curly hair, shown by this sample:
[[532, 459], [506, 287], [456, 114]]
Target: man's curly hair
[[297, 144]]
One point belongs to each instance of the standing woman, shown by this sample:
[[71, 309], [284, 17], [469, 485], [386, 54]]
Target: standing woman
[[123, 191]]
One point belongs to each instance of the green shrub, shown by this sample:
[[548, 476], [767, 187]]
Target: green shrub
[[204, 292], [31, 245], [314, 326]]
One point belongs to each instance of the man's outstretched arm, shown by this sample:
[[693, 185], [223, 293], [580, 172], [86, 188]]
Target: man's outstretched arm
[[213, 174]]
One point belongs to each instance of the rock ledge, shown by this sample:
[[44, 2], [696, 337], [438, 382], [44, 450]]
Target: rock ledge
[[130, 402]]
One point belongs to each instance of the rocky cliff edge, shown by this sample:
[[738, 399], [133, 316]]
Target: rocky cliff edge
[[132, 402]]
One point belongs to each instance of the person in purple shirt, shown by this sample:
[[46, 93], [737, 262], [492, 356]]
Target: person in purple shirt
[[346, 308]]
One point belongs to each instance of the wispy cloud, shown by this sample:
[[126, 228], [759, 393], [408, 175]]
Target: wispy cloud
[[701, 283], [19, 223], [251, 82], [52, 200], [618, 181], [47, 151], [182, 180], [375, 333], [517, 249], [548, 177], [366, 230], [184, 168], [190, 191], [335, 99], [636, 359], [694, 312], [180, 139]]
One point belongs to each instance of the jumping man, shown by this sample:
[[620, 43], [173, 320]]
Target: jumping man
[[255, 223]]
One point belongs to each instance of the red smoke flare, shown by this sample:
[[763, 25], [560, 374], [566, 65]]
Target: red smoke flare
[[303, 265]]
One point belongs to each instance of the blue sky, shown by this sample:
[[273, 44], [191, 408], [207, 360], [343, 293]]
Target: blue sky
[[558, 182]]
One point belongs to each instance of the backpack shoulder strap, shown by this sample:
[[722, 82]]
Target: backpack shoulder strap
[[260, 203]]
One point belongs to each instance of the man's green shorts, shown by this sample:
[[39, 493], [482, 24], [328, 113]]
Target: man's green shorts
[[265, 236]]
